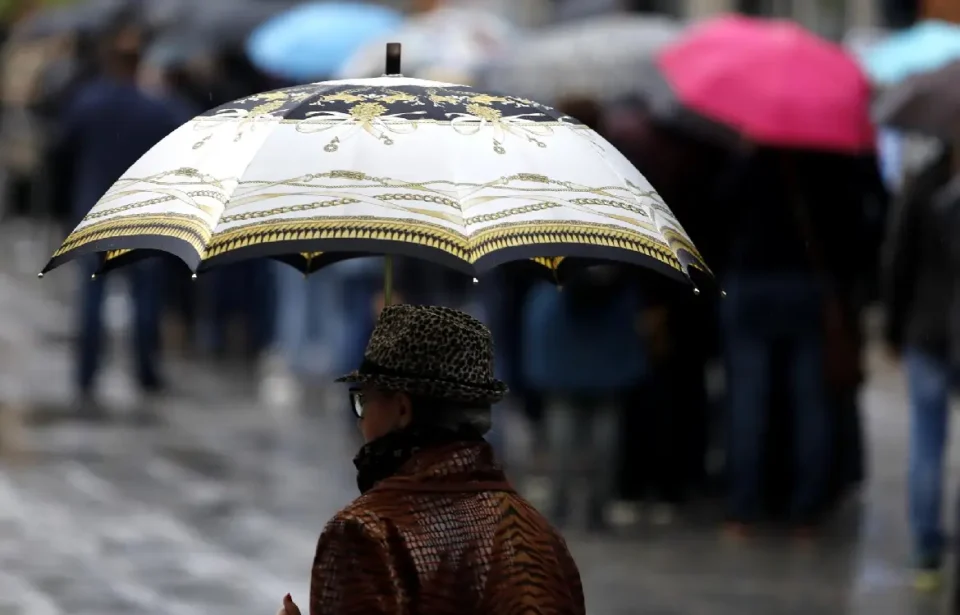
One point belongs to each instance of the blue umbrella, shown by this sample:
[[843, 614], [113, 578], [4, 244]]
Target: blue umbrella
[[926, 46], [310, 41]]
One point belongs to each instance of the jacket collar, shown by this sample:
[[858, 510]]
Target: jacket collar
[[463, 467]]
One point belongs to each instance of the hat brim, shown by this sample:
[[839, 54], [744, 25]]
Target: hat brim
[[435, 389]]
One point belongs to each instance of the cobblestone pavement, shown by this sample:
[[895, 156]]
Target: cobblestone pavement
[[215, 508]]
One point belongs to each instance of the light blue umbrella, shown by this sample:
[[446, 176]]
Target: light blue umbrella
[[310, 41], [926, 46]]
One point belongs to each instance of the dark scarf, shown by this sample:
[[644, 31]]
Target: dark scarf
[[383, 457]]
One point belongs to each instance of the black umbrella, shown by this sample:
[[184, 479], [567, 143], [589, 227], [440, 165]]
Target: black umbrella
[[928, 103]]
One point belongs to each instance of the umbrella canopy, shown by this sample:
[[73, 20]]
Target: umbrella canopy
[[445, 41], [390, 165], [594, 57], [768, 81], [928, 103], [312, 40], [926, 46]]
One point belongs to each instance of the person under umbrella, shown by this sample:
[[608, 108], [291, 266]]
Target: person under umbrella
[[437, 527], [724, 81]]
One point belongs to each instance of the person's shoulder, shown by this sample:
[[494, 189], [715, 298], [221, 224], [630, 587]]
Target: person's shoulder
[[526, 527], [542, 530], [155, 102], [359, 517], [89, 95], [527, 517]]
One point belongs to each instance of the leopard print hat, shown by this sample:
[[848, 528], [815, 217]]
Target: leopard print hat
[[430, 351]]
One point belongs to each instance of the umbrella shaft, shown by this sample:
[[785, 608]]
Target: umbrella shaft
[[388, 280]]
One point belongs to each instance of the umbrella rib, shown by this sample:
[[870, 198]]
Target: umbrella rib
[[272, 128]]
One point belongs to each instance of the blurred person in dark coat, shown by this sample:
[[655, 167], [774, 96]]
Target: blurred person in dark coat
[[923, 327], [851, 189], [776, 293], [438, 530], [672, 412], [108, 126]]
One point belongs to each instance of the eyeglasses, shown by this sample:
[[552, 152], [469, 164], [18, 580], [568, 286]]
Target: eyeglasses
[[357, 400]]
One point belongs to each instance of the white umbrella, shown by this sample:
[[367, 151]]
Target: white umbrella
[[598, 57], [445, 41], [389, 165]]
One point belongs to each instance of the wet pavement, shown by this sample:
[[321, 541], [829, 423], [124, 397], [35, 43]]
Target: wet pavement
[[214, 506]]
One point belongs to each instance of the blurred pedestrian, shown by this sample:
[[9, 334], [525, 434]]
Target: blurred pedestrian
[[921, 292], [583, 351], [776, 295], [309, 326], [673, 415], [851, 190], [108, 126], [437, 529]]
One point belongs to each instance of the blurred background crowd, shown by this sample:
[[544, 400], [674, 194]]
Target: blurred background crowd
[[677, 397]]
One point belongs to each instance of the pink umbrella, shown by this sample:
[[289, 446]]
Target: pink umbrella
[[773, 82]]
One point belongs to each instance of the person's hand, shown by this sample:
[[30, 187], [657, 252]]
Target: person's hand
[[289, 608]]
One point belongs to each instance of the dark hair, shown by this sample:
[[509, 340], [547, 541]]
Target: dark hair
[[585, 109], [116, 54]]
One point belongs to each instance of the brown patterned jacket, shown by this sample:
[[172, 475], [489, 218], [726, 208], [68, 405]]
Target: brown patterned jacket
[[447, 535]]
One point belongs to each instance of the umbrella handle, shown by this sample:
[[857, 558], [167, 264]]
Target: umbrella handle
[[387, 280], [393, 60]]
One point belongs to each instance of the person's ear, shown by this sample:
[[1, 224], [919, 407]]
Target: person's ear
[[405, 408]]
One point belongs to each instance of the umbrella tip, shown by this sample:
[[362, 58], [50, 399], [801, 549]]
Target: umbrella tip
[[723, 293], [393, 60], [40, 275], [476, 281], [93, 276], [193, 276], [696, 291]]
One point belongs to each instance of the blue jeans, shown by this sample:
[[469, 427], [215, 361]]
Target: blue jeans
[[759, 313], [145, 279], [309, 319], [928, 380]]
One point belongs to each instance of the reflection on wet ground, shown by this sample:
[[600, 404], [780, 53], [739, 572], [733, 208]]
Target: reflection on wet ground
[[215, 508]]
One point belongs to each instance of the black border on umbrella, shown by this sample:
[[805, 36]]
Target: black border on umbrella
[[334, 250], [142, 246]]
